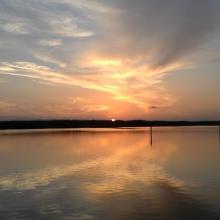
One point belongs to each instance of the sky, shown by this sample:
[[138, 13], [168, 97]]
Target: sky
[[103, 59]]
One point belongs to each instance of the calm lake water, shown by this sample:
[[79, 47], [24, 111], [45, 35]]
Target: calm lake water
[[110, 174]]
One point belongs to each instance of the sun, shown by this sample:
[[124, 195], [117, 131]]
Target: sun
[[113, 120]]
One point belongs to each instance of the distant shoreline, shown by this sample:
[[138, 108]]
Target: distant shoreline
[[50, 124]]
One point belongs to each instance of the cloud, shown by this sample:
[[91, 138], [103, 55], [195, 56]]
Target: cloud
[[67, 27], [123, 49], [98, 82], [158, 33], [15, 28], [47, 18], [47, 58], [6, 105], [162, 32], [94, 5], [78, 106], [51, 42], [87, 105]]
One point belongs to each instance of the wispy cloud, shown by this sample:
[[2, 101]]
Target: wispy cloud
[[76, 107], [100, 82], [51, 42], [168, 31], [47, 58], [15, 28], [45, 18], [6, 105], [123, 49]]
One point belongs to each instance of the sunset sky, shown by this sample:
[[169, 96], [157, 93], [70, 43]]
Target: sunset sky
[[103, 59]]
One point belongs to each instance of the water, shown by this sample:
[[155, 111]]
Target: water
[[110, 174]]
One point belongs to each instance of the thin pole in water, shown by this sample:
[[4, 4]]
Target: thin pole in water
[[151, 136]]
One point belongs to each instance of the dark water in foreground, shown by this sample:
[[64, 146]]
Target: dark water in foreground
[[110, 174]]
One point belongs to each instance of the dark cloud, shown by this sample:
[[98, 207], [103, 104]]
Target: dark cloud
[[169, 29]]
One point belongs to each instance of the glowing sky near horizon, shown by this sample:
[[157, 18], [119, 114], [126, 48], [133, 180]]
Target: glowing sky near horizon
[[104, 59]]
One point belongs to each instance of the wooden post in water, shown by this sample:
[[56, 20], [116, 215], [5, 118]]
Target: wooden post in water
[[151, 136]]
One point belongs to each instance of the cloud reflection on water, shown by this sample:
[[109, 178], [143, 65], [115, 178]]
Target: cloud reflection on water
[[109, 175]]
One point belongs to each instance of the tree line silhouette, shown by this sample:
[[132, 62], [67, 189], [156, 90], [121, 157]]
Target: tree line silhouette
[[49, 124]]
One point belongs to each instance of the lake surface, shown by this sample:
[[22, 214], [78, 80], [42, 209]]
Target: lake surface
[[110, 174]]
